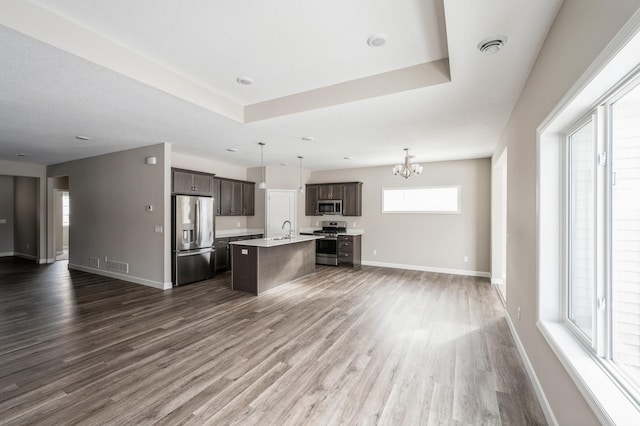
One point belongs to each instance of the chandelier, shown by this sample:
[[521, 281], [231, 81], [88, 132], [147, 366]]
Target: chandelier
[[407, 169]]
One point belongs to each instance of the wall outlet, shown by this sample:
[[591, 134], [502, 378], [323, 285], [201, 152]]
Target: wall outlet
[[466, 258], [28, 245], [238, 224], [519, 316], [158, 229], [354, 224], [317, 223], [375, 252]]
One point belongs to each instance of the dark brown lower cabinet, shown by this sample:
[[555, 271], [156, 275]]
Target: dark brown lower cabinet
[[349, 250], [223, 250]]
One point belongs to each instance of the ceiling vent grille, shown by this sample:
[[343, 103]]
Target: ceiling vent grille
[[492, 45]]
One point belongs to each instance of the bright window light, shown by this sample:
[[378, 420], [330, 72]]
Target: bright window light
[[443, 199]]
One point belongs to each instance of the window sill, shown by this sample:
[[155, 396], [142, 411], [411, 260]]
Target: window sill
[[609, 403]]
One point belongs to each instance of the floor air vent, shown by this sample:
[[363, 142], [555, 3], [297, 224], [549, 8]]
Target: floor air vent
[[116, 266]]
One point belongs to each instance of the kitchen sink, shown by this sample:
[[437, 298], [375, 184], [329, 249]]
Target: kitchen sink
[[282, 237]]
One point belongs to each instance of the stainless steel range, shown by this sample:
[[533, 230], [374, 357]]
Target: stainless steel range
[[327, 248]]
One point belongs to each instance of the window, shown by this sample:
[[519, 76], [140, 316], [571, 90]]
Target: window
[[445, 199], [602, 236], [587, 228]]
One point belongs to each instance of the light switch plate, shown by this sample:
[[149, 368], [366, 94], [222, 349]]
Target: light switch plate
[[244, 251], [3, 220], [158, 229]]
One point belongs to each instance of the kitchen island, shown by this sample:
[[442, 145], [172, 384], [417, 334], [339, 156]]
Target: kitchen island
[[262, 264]]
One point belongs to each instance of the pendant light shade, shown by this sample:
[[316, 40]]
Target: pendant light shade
[[262, 184], [300, 188]]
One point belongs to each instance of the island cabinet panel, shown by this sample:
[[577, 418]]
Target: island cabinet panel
[[256, 270], [311, 200], [349, 250], [192, 183], [352, 199], [245, 268]]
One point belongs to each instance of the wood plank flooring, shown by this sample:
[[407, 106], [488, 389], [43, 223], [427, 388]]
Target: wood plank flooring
[[354, 347]]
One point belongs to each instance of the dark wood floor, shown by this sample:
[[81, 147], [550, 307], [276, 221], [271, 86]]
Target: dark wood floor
[[374, 346]]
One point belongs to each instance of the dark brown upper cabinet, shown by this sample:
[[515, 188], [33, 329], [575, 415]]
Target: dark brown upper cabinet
[[237, 198], [192, 183], [349, 192]]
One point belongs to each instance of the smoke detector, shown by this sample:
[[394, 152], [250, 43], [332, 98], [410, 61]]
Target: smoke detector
[[492, 45]]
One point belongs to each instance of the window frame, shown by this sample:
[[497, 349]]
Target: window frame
[[615, 66], [459, 200]]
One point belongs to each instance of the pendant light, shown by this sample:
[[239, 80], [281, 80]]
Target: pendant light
[[407, 169], [300, 188], [262, 184]]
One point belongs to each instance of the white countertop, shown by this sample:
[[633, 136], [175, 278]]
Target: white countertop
[[352, 231], [239, 232], [269, 242]]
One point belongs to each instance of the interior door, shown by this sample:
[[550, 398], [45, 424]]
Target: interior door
[[281, 206]]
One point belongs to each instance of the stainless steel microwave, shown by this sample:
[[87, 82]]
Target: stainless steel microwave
[[327, 207]]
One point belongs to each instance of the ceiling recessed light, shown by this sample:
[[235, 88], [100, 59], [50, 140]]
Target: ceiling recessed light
[[377, 40], [492, 45], [83, 138], [307, 138], [245, 81], [232, 150], [21, 155], [284, 164], [347, 158]]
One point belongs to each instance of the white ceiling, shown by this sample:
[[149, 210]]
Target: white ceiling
[[129, 74]]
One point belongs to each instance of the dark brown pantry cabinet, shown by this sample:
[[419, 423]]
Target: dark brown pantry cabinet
[[191, 183]]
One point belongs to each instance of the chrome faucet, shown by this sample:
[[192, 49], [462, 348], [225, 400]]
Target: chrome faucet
[[290, 229]]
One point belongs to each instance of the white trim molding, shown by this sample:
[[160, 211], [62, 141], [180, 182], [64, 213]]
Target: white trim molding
[[537, 387], [481, 274], [136, 280]]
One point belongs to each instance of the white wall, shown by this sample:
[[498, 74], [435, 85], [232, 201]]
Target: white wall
[[581, 30], [108, 198], [437, 242], [6, 213]]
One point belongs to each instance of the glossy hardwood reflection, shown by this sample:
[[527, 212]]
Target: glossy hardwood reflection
[[340, 346]]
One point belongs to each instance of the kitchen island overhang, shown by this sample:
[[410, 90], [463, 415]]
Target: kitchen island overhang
[[260, 265]]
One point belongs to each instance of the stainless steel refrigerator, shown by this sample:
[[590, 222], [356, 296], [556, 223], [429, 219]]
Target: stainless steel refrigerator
[[192, 238]]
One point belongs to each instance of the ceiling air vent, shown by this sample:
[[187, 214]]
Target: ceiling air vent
[[492, 45]]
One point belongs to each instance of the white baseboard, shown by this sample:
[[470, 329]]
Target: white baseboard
[[429, 269], [6, 254], [25, 256], [42, 261], [542, 398], [498, 281], [123, 277]]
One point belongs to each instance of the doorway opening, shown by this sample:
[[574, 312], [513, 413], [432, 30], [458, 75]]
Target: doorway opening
[[61, 224], [281, 207], [499, 237]]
